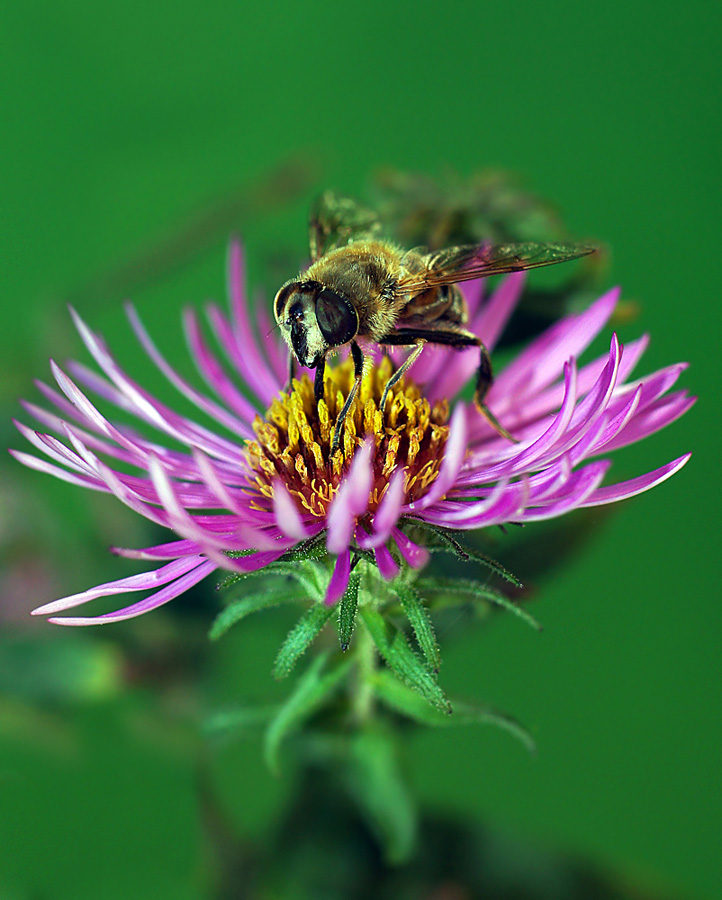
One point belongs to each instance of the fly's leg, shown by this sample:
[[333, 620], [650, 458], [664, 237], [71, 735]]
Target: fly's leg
[[358, 370], [458, 339], [318, 381], [405, 366], [484, 380]]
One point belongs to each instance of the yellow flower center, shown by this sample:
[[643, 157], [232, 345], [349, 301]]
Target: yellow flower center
[[294, 440]]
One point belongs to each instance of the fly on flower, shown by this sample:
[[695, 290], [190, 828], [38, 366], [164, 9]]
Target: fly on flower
[[254, 474], [359, 286]]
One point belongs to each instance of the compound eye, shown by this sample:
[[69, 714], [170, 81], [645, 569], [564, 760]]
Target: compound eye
[[336, 318]]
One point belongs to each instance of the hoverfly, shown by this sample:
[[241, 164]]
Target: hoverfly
[[361, 286]]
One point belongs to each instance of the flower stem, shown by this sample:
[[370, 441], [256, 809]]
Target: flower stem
[[362, 696]]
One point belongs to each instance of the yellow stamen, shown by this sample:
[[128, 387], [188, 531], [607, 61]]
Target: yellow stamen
[[293, 442]]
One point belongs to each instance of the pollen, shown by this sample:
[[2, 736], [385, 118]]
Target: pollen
[[293, 440]]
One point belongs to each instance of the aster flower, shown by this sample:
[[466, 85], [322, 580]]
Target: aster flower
[[242, 494]]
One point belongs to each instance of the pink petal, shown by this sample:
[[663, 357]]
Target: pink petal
[[170, 592], [388, 512], [339, 579], [388, 567], [288, 517], [625, 489], [219, 413], [140, 582], [454, 453], [414, 555], [351, 501]]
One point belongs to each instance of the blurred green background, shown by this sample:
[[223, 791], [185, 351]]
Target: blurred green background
[[136, 138]]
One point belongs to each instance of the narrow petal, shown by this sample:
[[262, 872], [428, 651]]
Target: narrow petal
[[170, 592], [288, 518], [171, 550], [211, 369], [388, 567], [413, 554], [339, 579], [351, 501], [221, 415], [454, 453], [388, 512], [275, 350], [625, 489], [140, 582], [541, 362], [489, 324]]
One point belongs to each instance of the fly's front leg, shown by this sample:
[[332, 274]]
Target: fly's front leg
[[358, 370], [318, 381]]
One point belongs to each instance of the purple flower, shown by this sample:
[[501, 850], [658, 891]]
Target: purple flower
[[240, 496]]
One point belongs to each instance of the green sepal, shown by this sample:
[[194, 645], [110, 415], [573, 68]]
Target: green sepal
[[302, 571], [311, 550], [418, 616], [467, 554], [238, 722], [310, 692], [403, 700], [239, 609], [347, 607], [376, 781], [470, 588], [300, 637], [401, 659]]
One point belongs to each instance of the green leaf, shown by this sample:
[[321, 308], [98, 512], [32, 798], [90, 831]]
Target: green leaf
[[401, 659], [238, 722], [312, 549], [300, 637], [304, 573], [311, 690], [376, 781], [418, 616], [476, 590], [467, 554], [251, 603], [407, 702], [347, 610]]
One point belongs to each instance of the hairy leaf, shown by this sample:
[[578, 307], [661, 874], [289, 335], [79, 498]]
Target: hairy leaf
[[310, 692], [239, 609], [478, 591], [420, 620], [238, 722], [303, 572], [347, 610], [407, 702], [376, 780], [467, 554], [300, 637], [401, 659]]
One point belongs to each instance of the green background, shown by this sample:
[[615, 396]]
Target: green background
[[122, 125]]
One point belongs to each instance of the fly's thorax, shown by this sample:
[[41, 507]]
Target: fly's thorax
[[365, 272]]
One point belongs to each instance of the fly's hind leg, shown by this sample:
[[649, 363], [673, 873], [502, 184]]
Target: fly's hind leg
[[484, 380]]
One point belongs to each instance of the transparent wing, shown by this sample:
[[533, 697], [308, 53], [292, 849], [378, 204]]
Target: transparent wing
[[336, 220], [468, 263]]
